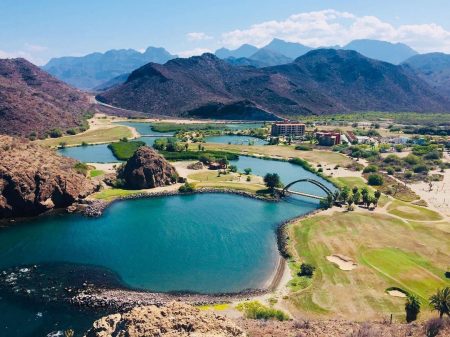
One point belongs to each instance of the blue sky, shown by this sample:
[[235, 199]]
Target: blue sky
[[40, 29]]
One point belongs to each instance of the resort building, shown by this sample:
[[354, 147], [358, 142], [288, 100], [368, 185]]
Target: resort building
[[328, 138], [288, 129]]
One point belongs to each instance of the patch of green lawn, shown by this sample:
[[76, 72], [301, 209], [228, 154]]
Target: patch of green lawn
[[114, 193], [96, 173], [125, 150]]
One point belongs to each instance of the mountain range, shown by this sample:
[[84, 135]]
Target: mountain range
[[433, 68], [32, 101], [279, 52], [90, 71], [321, 81]]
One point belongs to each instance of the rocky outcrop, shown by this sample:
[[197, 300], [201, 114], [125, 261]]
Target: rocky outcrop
[[174, 319], [34, 179], [147, 169]]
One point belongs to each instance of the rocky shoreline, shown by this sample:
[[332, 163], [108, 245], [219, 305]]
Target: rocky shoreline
[[124, 299]]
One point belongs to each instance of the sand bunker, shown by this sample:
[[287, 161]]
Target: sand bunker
[[396, 293], [343, 262]]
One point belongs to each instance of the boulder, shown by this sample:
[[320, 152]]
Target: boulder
[[34, 179], [176, 319], [196, 166], [147, 169]]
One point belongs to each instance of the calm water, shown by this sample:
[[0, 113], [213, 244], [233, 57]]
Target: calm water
[[204, 243], [90, 154], [288, 173], [238, 140], [102, 154]]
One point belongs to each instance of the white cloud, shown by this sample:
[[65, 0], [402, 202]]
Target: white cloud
[[198, 36], [330, 27], [31, 52], [193, 52]]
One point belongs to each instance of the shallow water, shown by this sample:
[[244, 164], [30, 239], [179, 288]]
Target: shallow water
[[90, 154], [237, 140]]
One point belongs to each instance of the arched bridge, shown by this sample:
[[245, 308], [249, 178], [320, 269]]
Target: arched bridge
[[286, 190]]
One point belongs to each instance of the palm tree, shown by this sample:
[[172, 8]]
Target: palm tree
[[441, 301]]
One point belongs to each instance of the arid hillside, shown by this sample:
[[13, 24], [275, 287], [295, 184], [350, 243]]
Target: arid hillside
[[33, 102]]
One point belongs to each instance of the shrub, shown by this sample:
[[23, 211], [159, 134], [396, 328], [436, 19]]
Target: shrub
[[249, 178], [306, 270], [71, 132], [186, 188], [256, 310], [408, 174], [433, 155], [375, 180], [370, 169], [412, 159], [233, 168], [83, 143], [390, 171], [433, 327], [81, 168], [421, 168], [303, 148], [55, 133]]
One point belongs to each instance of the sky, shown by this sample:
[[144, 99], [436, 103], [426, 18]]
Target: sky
[[41, 29]]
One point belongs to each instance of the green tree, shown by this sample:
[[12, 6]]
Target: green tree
[[306, 270], [441, 301], [233, 168], [247, 171], [344, 194], [272, 180], [357, 197], [412, 308], [377, 196]]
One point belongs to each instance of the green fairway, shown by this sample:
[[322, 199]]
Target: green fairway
[[407, 271]]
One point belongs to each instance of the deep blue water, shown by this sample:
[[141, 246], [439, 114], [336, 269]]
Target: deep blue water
[[204, 243]]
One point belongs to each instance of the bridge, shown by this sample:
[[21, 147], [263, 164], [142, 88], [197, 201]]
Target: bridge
[[286, 190]]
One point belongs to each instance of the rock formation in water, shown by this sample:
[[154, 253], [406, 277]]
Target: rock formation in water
[[147, 169], [174, 319], [34, 179]]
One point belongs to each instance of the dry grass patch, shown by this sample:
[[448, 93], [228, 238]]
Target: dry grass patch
[[412, 212], [106, 135]]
